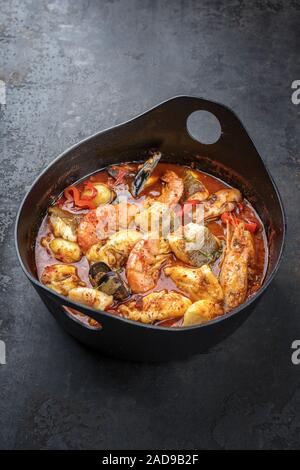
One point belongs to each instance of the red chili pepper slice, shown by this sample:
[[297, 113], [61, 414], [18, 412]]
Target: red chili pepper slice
[[233, 220], [251, 227], [72, 194], [228, 217]]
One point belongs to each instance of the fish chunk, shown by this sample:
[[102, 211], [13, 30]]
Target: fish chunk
[[91, 297], [61, 278], [195, 245], [116, 250], [197, 283], [156, 306], [65, 251], [63, 224], [202, 311]]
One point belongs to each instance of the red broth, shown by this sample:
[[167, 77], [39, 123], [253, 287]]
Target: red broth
[[44, 257]]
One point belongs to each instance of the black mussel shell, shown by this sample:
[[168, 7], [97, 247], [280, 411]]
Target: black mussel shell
[[144, 173], [97, 271], [112, 284]]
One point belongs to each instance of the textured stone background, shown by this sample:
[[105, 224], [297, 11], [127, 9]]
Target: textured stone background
[[73, 68]]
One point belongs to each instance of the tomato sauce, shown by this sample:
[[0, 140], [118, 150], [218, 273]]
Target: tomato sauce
[[44, 257]]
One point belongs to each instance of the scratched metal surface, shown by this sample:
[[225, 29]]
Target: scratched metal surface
[[73, 68]]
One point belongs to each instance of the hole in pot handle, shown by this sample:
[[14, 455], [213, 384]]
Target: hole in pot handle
[[82, 318], [204, 127], [175, 113], [89, 319]]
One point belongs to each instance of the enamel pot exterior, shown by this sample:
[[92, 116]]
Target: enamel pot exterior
[[232, 158]]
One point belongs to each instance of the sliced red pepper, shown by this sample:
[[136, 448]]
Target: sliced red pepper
[[228, 217], [233, 220], [251, 227], [72, 194]]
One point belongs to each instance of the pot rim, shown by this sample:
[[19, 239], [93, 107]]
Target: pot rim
[[182, 329]]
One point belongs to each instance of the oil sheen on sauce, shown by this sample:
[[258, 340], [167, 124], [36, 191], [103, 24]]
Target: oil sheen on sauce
[[44, 257]]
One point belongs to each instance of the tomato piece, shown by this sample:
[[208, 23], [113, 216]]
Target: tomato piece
[[233, 220]]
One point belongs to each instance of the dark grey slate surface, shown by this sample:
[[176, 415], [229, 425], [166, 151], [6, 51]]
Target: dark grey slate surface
[[73, 68]]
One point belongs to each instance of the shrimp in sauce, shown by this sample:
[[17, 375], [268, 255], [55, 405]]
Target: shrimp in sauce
[[100, 249]]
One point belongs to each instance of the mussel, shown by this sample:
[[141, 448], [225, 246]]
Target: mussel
[[110, 282], [97, 271], [144, 173]]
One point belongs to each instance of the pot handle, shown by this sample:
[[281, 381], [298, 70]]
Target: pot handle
[[74, 311], [174, 113]]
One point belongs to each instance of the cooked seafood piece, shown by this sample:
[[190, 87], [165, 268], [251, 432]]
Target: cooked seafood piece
[[172, 190], [115, 217], [155, 306], [193, 187], [158, 219], [144, 263], [202, 311], [108, 281], [91, 297], [61, 278], [97, 225], [224, 200], [95, 253], [122, 172], [144, 173], [153, 237], [197, 283], [113, 284], [97, 271], [63, 224], [195, 245], [86, 232], [104, 194], [238, 257], [65, 251], [116, 250]]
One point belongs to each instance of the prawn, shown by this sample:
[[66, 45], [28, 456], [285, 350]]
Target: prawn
[[172, 190], [98, 224], [238, 258], [144, 263]]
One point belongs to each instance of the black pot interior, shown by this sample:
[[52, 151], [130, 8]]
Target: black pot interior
[[232, 158]]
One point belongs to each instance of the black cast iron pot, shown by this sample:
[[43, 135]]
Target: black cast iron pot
[[233, 158]]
